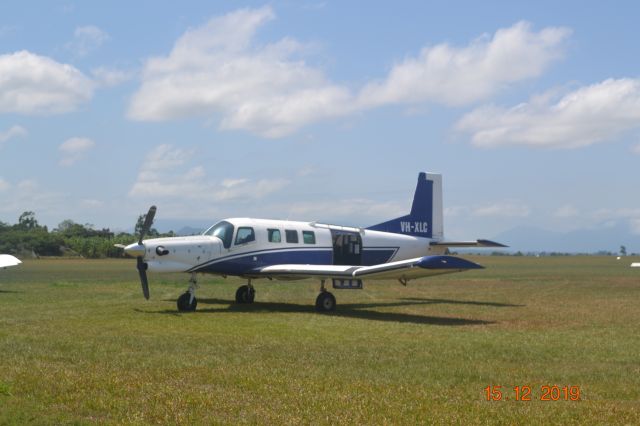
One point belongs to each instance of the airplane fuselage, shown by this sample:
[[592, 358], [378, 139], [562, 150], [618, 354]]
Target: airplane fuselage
[[239, 246]]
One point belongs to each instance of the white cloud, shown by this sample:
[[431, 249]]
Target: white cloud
[[13, 132], [503, 209], [459, 76], [28, 195], [167, 173], [4, 185], [108, 77], [230, 183], [74, 150], [33, 84], [218, 70], [214, 69], [91, 203], [619, 213], [87, 39], [566, 211], [636, 149], [588, 115], [347, 209], [454, 211]]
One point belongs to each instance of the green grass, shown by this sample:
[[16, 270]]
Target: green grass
[[79, 344]]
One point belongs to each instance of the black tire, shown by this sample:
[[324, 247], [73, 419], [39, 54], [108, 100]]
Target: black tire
[[245, 294], [325, 302], [184, 305]]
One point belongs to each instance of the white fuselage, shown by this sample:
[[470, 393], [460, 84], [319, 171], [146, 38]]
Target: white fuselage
[[238, 246]]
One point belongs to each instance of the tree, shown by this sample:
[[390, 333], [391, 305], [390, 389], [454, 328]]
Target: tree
[[65, 225], [623, 251], [153, 232], [27, 221]]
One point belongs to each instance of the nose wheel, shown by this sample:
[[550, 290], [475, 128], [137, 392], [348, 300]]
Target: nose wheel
[[187, 302]]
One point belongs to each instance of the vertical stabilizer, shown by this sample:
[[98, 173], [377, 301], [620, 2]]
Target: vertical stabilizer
[[425, 218]]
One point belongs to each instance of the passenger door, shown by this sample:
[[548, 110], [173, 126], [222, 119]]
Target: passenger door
[[347, 247]]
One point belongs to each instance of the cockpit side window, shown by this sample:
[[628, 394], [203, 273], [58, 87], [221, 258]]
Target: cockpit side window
[[245, 234], [222, 230]]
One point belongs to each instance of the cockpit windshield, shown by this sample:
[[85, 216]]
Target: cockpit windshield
[[222, 230]]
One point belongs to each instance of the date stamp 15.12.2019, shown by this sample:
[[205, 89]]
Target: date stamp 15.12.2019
[[528, 393]]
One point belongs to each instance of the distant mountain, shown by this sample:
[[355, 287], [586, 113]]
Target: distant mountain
[[603, 238]]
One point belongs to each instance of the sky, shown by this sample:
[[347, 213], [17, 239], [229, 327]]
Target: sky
[[321, 110]]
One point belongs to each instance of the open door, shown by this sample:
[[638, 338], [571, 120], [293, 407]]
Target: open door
[[347, 250], [347, 247]]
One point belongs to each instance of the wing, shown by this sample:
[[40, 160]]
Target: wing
[[404, 269], [8, 260]]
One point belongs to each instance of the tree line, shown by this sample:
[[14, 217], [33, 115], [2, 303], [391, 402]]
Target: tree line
[[28, 238]]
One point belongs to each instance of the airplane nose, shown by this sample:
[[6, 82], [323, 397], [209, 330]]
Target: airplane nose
[[135, 250]]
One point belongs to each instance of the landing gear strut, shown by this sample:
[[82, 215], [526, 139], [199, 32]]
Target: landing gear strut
[[325, 302], [245, 294], [188, 302]]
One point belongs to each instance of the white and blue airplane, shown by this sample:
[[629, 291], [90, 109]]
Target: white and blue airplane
[[405, 248], [7, 260]]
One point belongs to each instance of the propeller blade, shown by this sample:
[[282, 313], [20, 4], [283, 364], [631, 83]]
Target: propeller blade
[[148, 221], [142, 271]]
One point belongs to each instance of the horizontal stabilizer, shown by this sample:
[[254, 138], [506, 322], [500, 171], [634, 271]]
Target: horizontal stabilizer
[[477, 243]]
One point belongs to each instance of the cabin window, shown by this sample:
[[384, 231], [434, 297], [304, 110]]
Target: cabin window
[[222, 230], [274, 236], [291, 235], [245, 235], [309, 237]]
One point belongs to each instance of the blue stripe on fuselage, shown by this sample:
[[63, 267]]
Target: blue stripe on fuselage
[[242, 263], [377, 255]]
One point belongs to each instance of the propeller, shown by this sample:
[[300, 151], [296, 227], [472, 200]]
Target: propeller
[[142, 267], [142, 271], [138, 250], [148, 221]]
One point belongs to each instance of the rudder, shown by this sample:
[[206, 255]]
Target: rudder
[[425, 218]]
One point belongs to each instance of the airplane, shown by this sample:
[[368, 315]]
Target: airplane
[[635, 265], [405, 248], [7, 260]]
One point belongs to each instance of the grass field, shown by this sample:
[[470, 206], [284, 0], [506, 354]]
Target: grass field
[[79, 344]]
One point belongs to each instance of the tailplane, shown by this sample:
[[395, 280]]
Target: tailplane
[[425, 218]]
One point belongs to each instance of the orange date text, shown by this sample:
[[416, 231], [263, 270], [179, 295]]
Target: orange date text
[[525, 393]]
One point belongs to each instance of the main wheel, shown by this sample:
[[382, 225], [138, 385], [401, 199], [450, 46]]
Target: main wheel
[[245, 294], [184, 305], [325, 302]]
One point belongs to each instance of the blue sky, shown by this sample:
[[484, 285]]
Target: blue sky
[[321, 111]]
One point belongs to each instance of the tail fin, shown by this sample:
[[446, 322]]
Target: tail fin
[[425, 219]]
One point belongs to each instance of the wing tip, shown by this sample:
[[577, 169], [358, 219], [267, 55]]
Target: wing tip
[[447, 262]]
